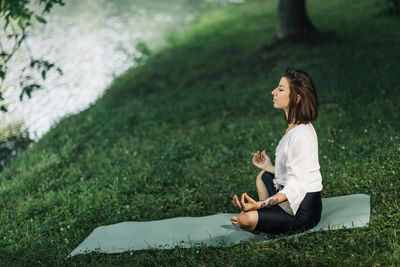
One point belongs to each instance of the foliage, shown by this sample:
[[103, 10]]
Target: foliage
[[17, 19], [391, 7], [13, 141], [143, 51]]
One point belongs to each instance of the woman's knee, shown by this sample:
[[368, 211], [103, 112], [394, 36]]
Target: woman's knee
[[248, 219], [267, 176]]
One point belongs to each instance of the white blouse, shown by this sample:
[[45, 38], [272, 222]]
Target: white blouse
[[296, 165]]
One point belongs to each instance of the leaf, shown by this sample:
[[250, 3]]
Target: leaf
[[40, 19], [21, 22], [60, 71], [44, 75], [28, 89], [3, 108]]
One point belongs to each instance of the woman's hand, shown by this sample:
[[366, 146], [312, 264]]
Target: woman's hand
[[250, 205], [264, 162], [236, 202]]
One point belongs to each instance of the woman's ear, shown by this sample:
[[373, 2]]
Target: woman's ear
[[298, 99]]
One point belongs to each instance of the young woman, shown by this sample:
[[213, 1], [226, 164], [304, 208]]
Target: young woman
[[289, 192]]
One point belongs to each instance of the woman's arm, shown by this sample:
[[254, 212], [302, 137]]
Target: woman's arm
[[271, 201], [270, 169]]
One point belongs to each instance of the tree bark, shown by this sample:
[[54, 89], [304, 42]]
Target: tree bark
[[293, 20]]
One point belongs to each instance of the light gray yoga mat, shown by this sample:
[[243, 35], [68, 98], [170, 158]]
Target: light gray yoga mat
[[216, 230]]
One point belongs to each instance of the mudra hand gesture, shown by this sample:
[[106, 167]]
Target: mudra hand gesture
[[250, 205], [264, 162]]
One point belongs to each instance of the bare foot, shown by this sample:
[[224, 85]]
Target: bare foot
[[235, 222], [233, 218]]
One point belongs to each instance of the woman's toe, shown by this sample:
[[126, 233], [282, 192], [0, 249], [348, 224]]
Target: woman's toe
[[233, 218]]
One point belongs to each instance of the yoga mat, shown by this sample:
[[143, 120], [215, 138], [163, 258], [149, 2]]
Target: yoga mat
[[216, 230]]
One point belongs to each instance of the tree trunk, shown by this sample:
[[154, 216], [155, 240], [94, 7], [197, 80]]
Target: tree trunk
[[292, 19]]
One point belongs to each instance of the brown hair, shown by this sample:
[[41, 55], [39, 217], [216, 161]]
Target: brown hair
[[300, 83]]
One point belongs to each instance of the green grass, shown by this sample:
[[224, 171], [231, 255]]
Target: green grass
[[174, 136]]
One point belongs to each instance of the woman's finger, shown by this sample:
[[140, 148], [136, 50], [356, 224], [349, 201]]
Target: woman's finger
[[236, 200], [234, 203], [249, 198], [244, 205], [255, 159], [265, 155]]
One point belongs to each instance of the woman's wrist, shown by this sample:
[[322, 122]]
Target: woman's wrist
[[270, 169], [267, 203], [271, 201]]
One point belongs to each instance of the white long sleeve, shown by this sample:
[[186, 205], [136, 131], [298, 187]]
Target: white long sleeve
[[296, 165]]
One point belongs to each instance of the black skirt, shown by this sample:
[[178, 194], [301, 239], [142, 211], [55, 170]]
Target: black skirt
[[275, 220]]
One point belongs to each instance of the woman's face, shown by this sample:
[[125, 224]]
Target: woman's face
[[281, 95]]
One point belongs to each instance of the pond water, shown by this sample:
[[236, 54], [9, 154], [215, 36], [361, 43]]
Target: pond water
[[92, 41]]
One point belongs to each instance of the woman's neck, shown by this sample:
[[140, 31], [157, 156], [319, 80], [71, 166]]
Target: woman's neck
[[291, 126]]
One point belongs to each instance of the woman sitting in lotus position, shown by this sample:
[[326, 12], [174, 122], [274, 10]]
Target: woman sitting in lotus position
[[290, 192]]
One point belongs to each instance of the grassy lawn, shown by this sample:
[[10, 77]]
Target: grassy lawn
[[174, 136]]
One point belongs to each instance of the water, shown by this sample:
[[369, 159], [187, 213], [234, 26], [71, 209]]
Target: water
[[92, 41]]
